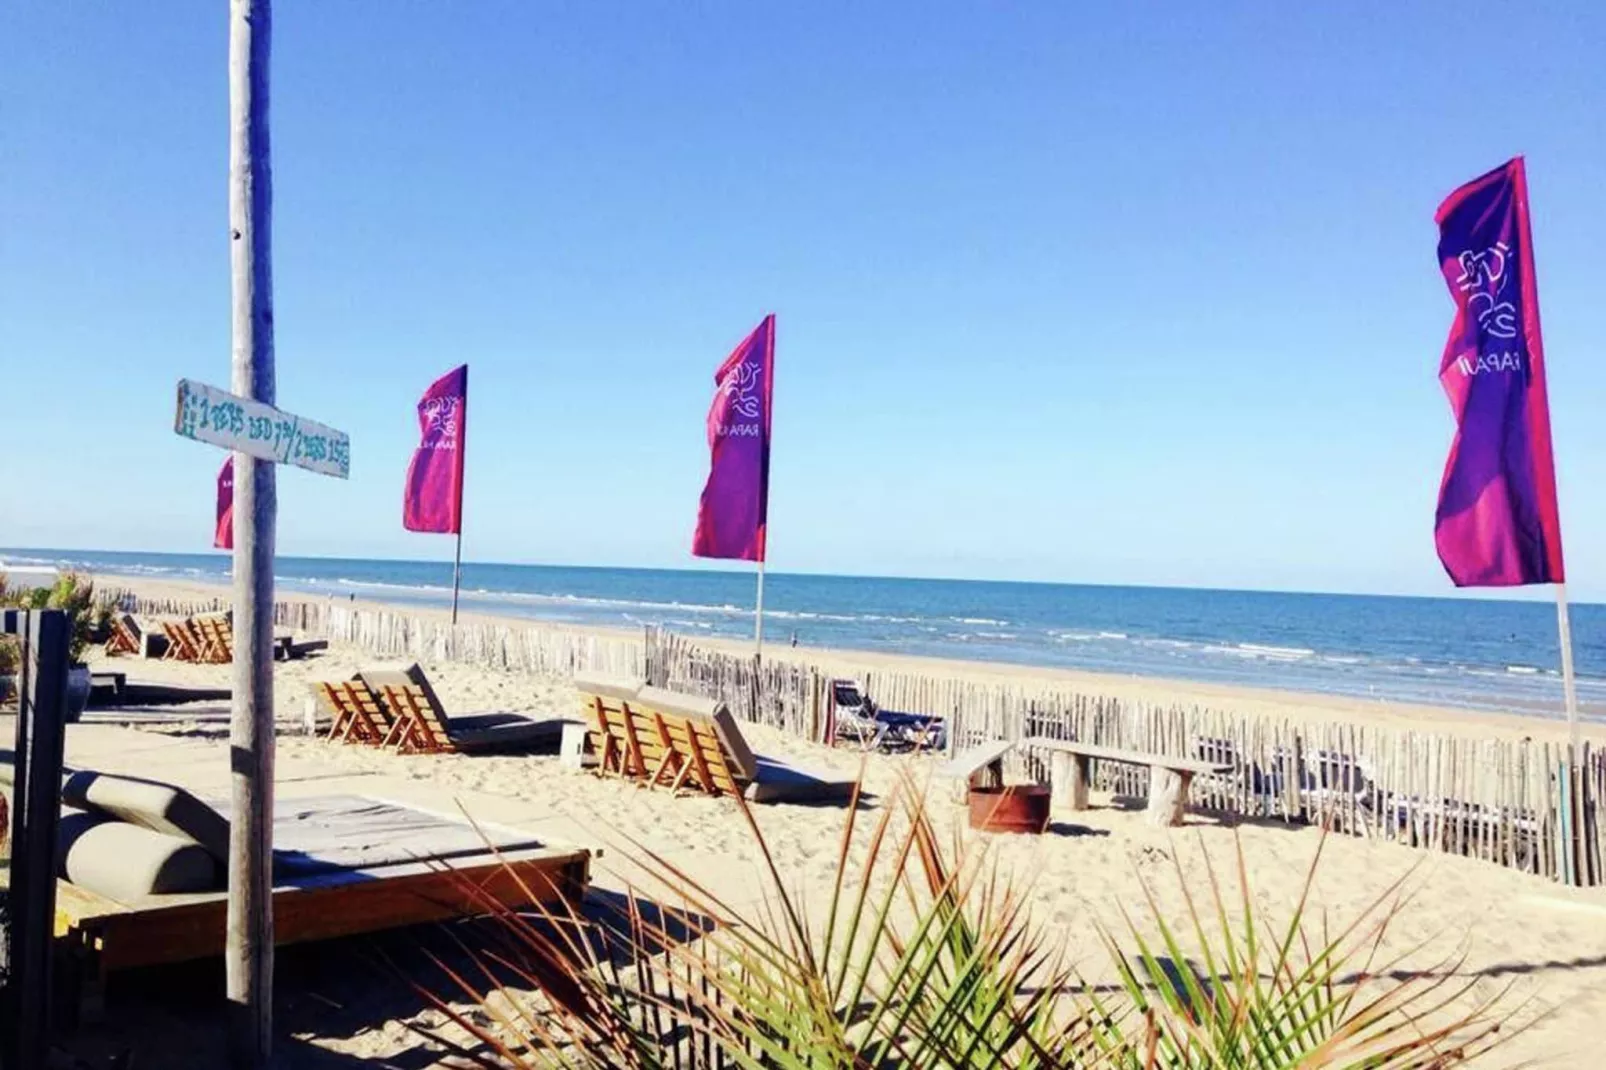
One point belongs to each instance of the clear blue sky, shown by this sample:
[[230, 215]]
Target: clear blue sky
[[1120, 293]]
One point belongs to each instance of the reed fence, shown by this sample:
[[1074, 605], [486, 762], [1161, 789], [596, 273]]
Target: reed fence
[[1518, 803]]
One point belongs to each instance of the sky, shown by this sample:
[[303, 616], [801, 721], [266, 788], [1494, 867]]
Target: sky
[[1138, 293]]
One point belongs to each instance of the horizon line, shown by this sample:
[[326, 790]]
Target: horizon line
[[1516, 594]]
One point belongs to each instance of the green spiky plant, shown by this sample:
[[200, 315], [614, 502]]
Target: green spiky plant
[[927, 956], [75, 595]]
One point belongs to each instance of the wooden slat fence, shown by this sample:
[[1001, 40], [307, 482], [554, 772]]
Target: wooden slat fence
[[1504, 800]]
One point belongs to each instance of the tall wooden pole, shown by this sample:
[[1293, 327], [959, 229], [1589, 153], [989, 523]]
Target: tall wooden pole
[[249, 952], [457, 571], [1569, 688], [758, 614]]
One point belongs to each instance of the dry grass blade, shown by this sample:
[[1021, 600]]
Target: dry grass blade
[[930, 958]]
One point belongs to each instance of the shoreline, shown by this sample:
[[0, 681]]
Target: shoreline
[[1248, 699]]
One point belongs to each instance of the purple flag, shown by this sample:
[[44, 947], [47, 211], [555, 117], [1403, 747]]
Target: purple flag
[[1498, 524], [223, 528], [434, 494], [733, 515]]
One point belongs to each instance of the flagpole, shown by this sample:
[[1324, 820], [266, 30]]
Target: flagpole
[[758, 615], [462, 477], [457, 571], [1568, 688]]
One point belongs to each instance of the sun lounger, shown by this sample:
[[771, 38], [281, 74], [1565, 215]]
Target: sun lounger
[[342, 865], [422, 724], [125, 636], [182, 642], [354, 714], [688, 742], [216, 639]]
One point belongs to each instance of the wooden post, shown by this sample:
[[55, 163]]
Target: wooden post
[[41, 718], [249, 947], [1168, 796]]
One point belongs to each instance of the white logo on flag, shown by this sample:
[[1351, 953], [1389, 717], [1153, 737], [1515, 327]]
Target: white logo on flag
[[741, 388], [440, 419], [1483, 277]]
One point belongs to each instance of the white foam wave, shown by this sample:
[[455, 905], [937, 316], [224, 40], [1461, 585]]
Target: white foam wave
[[1288, 653]]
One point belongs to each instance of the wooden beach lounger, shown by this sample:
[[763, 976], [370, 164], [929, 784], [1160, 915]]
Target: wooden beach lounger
[[216, 639], [183, 644], [685, 741], [355, 715], [422, 724], [125, 636], [342, 865]]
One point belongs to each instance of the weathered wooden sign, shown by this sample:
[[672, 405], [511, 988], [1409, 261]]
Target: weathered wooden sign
[[208, 414]]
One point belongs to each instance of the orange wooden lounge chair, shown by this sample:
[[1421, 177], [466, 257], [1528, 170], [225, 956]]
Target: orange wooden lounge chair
[[423, 726], [355, 715], [124, 638], [689, 743], [182, 642], [216, 646], [637, 742]]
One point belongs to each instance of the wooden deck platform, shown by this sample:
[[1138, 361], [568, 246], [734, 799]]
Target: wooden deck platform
[[175, 928]]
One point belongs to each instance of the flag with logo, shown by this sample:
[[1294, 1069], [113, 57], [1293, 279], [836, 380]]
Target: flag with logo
[[733, 514], [223, 527], [1497, 524], [433, 499]]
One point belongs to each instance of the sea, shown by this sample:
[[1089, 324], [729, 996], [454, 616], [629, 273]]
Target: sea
[[1465, 652]]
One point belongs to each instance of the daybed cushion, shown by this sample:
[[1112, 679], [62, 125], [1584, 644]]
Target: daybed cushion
[[126, 862], [504, 732], [779, 782], [151, 805]]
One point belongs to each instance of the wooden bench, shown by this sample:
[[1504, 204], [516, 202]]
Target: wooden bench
[[1071, 774], [979, 767]]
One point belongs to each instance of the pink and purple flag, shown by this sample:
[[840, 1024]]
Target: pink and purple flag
[[223, 529], [733, 515], [434, 495], [1497, 524]]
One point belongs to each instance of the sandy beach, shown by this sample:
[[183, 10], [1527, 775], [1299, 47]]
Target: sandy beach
[[1495, 929]]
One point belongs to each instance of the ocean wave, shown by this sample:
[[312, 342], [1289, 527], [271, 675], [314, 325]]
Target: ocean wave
[[1289, 653], [979, 620], [798, 614]]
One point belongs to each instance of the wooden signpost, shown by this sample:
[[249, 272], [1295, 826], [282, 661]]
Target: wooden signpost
[[208, 414], [260, 436]]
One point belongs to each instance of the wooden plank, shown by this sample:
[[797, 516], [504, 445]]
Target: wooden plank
[[968, 764], [1168, 796], [257, 429]]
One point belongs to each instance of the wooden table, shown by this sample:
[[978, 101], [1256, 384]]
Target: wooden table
[[1071, 774]]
